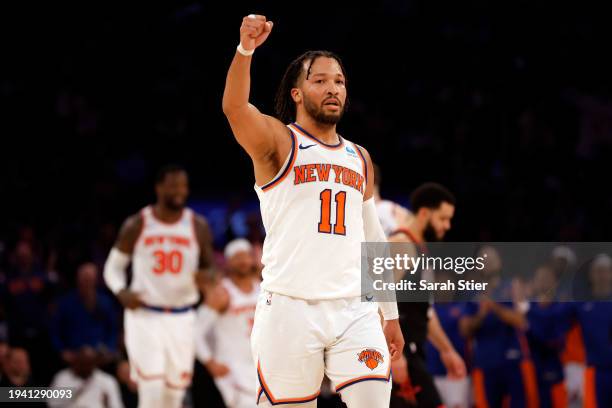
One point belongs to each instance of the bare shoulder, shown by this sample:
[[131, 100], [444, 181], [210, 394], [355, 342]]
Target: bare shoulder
[[129, 233], [369, 172], [201, 225], [365, 152], [282, 136]]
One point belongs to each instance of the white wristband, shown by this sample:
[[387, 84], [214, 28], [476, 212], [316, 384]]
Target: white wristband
[[389, 310], [246, 53]]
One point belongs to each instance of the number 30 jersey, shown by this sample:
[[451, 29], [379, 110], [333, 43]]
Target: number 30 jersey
[[165, 260], [312, 213]]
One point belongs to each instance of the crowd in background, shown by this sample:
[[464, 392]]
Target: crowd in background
[[508, 107]]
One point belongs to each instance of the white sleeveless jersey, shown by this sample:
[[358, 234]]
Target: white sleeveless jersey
[[233, 328], [312, 213], [165, 260]]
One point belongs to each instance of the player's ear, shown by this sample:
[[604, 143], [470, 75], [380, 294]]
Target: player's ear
[[424, 213], [296, 95]]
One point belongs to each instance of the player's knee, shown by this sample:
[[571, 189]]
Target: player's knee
[[367, 394]]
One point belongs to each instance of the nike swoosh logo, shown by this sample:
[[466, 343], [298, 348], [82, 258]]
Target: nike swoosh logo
[[306, 147]]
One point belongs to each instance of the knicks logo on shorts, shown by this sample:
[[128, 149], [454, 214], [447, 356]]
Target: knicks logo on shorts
[[370, 357]]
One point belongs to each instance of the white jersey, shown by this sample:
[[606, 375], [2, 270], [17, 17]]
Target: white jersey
[[165, 260], [233, 328], [312, 213], [392, 216]]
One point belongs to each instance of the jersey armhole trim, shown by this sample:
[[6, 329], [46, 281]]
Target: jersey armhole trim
[[284, 172], [363, 161], [194, 230]]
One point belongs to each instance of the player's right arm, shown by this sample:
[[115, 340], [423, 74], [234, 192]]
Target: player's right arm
[[263, 137], [119, 259]]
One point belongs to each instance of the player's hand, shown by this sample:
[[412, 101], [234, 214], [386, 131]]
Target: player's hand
[[406, 390], [455, 367], [217, 369], [254, 31], [217, 298], [394, 337], [129, 299], [399, 368]]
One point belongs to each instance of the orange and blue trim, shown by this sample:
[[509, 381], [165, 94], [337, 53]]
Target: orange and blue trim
[[286, 170], [363, 161], [264, 389], [314, 138], [345, 384]]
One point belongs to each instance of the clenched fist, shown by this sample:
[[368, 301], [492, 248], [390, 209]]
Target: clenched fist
[[254, 31]]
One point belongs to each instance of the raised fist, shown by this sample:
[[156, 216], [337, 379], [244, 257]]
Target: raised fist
[[254, 31]]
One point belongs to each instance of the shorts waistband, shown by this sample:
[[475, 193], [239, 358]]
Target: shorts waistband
[[164, 309]]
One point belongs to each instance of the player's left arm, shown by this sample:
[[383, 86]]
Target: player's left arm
[[453, 362], [374, 233], [205, 263]]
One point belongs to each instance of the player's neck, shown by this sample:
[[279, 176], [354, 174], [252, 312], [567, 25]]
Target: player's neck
[[166, 214], [324, 132]]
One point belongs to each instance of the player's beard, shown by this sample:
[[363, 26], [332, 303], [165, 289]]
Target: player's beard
[[171, 204], [430, 234], [317, 113]]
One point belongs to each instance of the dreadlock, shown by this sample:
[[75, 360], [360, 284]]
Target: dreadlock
[[284, 105]]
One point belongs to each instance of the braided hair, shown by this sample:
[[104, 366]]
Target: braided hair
[[284, 105]]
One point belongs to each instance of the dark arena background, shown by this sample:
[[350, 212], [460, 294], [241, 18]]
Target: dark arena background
[[507, 104]]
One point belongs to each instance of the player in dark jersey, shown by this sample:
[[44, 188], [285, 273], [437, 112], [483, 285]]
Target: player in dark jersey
[[546, 337], [595, 319], [433, 206], [500, 353]]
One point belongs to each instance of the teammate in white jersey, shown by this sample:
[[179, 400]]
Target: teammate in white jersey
[[315, 191], [169, 247], [229, 312]]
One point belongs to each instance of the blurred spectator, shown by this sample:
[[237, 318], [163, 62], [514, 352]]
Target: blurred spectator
[[86, 316], [92, 387], [129, 388], [28, 295], [29, 292], [17, 371]]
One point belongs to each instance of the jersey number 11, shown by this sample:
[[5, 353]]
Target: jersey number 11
[[325, 225]]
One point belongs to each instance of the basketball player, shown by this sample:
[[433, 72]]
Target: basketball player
[[545, 336], [502, 363], [229, 312], [315, 192], [595, 318], [433, 206], [168, 245]]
